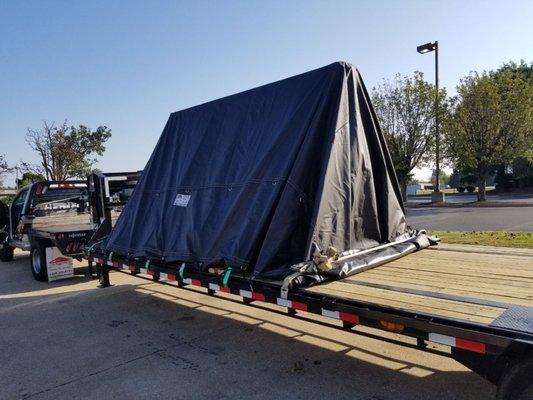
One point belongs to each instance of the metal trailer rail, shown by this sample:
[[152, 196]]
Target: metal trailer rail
[[502, 356]]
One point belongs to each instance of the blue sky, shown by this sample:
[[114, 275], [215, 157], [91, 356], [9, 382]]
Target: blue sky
[[129, 64]]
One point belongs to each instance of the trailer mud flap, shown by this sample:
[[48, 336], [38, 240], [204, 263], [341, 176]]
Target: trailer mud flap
[[58, 265]]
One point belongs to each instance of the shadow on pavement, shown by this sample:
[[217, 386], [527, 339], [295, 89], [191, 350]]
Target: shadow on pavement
[[145, 340]]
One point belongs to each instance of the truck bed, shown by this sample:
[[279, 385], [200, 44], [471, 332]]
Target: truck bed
[[62, 222], [487, 286], [66, 228]]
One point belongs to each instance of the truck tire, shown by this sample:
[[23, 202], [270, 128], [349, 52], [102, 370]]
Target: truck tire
[[6, 252], [38, 261], [516, 382]]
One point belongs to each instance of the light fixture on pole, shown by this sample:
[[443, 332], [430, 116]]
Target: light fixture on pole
[[437, 195]]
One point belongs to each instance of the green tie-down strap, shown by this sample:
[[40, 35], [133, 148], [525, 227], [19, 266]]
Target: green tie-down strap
[[182, 269], [90, 248], [147, 264], [226, 277]]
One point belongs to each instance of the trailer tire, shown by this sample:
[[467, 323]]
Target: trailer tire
[[516, 383], [6, 252], [38, 261]]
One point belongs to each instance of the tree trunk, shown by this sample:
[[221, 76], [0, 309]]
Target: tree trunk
[[481, 191], [403, 187]]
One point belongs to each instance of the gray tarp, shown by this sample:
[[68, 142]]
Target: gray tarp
[[259, 180]]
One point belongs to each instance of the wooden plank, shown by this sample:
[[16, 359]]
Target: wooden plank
[[461, 267], [435, 285], [462, 248], [446, 275], [494, 262], [472, 259], [504, 298], [69, 218], [512, 275], [416, 299], [517, 287], [462, 311]]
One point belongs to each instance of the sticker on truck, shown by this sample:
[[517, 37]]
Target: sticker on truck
[[58, 265]]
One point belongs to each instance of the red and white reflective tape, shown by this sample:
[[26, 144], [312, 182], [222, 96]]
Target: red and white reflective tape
[[146, 271], [218, 288], [465, 344], [252, 295], [194, 282], [291, 304], [163, 276], [340, 315]]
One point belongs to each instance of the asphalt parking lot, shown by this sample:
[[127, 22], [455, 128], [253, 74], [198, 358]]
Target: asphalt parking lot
[[139, 340], [514, 219]]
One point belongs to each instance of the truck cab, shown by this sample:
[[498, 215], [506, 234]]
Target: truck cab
[[46, 214]]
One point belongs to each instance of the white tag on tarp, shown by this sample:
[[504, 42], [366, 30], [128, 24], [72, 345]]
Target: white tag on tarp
[[182, 200], [58, 265]]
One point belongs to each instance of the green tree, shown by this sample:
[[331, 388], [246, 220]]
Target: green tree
[[66, 151], [491, 123], [28, 177], [521, 70], [523, 169], [523, 163], [406, 112]]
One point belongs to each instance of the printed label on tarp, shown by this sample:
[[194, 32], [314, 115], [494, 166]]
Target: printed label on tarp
[[182, 200], [58, 265]]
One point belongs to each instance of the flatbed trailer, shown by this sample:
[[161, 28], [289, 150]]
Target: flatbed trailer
[[477, 301]]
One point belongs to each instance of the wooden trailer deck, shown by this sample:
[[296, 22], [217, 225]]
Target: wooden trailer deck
[[469, 283]]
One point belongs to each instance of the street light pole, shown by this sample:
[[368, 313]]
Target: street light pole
[[437, 136], [437, 195]]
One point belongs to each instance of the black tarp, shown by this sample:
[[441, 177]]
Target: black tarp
[[261, 179]]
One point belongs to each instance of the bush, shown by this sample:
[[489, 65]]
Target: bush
[[461, 189], [471, 188]]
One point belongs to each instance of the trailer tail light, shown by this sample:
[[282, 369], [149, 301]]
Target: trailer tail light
[[392, 326]]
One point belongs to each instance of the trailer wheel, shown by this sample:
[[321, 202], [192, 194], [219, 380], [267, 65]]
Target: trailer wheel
[[516, 382], [38, 261], [6, 252]]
